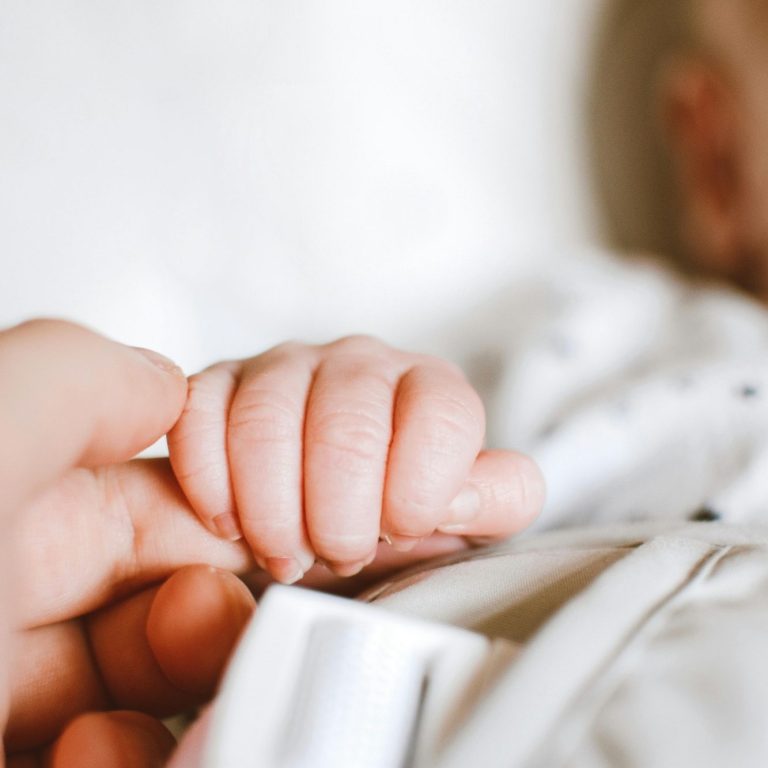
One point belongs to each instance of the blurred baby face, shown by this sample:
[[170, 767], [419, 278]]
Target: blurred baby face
[[740, 29], [725, 146]]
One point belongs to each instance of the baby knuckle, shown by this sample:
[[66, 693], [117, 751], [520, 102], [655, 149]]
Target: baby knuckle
[[358, 343], [445, 367], [264, 417], [51, 326], [288, 349], [465, 404], [453, 422], [356, 441], [194, 473]]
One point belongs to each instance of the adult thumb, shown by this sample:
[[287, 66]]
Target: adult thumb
[[70, 397]]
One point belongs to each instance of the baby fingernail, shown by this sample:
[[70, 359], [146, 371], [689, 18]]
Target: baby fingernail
[[368, 560], [305, 559], [465, 507], [227, 527], [285, 569], [402, 543], [345, 570]]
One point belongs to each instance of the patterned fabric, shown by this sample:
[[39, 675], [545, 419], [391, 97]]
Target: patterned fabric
[[640, 394]]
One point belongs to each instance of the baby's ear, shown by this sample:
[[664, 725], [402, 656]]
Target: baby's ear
[[701, 121]]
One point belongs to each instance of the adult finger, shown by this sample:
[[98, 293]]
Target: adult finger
[[100, 535], [164, 650], [193, 625], [346, 444], [69, 396], [120, 739], [52, 680], [439, 426], [266, 432], [161, 651]]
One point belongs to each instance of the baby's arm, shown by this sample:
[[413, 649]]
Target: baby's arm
[[318, 451]]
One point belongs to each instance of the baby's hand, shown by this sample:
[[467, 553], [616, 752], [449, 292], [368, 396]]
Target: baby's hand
[[319, 451]]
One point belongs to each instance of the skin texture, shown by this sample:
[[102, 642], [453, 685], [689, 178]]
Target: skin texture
[[125, 607], [316, 452]]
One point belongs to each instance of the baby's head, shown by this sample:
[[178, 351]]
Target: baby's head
[[703, 167]]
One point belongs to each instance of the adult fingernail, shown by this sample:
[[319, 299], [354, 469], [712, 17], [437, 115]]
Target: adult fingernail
[[403, 543], [227, 527], [285, 569], [160, 361]]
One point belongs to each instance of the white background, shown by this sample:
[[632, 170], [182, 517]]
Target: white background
[[208, 178]]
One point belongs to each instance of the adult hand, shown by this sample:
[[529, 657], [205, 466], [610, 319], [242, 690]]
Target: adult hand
[[83, 634]]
